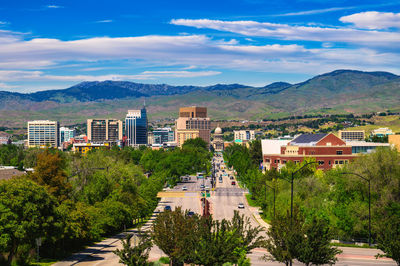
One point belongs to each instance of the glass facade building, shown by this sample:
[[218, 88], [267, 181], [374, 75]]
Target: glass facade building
[[163, 135], [136, 127], [66, 134]]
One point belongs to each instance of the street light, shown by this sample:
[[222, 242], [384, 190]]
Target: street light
[[291, 197], [291, 183], [369, 201], [274, 195]]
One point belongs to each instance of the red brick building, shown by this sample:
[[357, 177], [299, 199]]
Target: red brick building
[[329, 151]]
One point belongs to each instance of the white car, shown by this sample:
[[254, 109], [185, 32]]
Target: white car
[[241, 206], [184, 188]]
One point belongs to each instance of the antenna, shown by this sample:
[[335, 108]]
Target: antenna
[[144, 102]]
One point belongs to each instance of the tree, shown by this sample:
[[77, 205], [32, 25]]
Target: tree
[[138, 254], [389, 236], [173, 234], [197, 142], [284, 237], [256, 151], [27, 212], [315, 249], [50, 174]]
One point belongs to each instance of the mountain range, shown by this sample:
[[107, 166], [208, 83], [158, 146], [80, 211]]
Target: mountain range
[[340, 91]]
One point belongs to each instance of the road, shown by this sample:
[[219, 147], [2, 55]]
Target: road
[[224, 200]]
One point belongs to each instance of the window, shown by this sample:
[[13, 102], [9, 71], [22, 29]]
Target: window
[[267, 160], [284, 162], [321, 162], [339, 152], [296, 162], [275, 161], [329, 162]]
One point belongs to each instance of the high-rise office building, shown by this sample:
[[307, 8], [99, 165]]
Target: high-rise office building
[[43, 133], [136, 127], [163, 135], [192, 123], [66, 134], [104, 130]]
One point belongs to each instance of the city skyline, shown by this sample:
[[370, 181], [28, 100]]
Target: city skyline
[[249, 42]]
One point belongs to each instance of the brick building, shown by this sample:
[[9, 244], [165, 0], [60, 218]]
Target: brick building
[[329, 151]]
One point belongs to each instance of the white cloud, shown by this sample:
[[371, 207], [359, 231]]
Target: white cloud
[[288, 32], [316, 11], [104, 21], [54, 6], [9, 76], [373, 20]]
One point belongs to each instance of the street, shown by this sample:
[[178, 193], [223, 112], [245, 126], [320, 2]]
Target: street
[[224, 200]]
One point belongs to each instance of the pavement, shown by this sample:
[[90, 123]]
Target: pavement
[[224, 200]]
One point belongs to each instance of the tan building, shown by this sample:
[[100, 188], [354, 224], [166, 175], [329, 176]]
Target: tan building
[[244, 135], [43, 133], [394, 140], [352, 135], [104, 130], [192, 123]]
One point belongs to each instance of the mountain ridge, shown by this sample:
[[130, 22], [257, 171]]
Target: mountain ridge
[[336, 92]]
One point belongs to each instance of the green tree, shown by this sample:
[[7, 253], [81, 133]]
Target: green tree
[[315, 249], [256, 152], [388, 234], [197, 142], [284, 236], [138, 254], [173, 234], [27, 212]]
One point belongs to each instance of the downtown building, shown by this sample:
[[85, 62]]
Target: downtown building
[[43, 133], [104, 130], [136, 127], [192, 123], [66, 134], [328, 150], [163, 135]]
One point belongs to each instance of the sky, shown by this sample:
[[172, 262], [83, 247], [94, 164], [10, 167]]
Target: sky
[[55, 44]]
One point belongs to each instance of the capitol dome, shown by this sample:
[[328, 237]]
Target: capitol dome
[[218, 130]]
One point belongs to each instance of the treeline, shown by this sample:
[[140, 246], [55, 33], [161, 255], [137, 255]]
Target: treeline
[[70, 200], [339, 198]]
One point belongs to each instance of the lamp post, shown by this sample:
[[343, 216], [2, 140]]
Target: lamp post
[[291, 194], [291, 188], [369, 202], [274, 195]]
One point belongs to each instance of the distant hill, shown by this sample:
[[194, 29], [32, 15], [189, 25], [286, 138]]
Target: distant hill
[[340, 91]]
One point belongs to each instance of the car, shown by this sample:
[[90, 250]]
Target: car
[[167, 208], [220, 180], [207, 188], [184, 188], [201, 186], [231, 177], [233, 183], [241, 206]]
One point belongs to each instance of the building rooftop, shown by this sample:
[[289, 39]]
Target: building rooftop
[[308, 139]]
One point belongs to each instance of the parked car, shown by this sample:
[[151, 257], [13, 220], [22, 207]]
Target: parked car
[[167, 208], [184, 188], [241, 206], [207, 188], [231, 177], [233, 183], [220, 180], [201, 186]]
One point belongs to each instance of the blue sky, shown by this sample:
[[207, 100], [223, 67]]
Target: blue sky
[[56, 44]]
